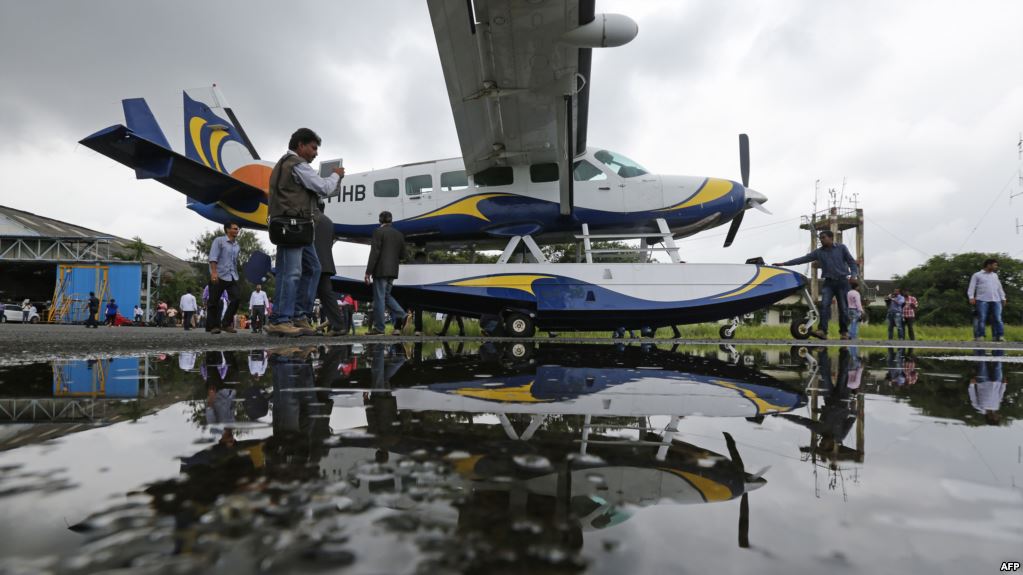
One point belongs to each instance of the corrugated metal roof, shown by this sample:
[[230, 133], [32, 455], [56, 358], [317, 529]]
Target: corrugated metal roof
[[19, 223]]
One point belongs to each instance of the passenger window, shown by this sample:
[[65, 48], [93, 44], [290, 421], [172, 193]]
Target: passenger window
[[539, 173], [416, 186], [386, 189], [494, 176], [583, 171], [454, 181]]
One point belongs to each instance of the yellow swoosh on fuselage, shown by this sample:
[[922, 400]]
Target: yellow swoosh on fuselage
[[514, 281], [464, 207], [712, 189], [763, 406], [520, 394], [763, 274]]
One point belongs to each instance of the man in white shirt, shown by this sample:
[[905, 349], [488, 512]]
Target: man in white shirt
[[188, 307], [138, 314], [257, 308], [986, 293]]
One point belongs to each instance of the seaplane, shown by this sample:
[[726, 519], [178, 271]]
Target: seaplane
[[518, 75]]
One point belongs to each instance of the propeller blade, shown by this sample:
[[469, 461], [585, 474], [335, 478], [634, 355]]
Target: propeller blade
[[744, 159], [734, 228], [761, 473], [744, 521], [761, 207], [733, 452]]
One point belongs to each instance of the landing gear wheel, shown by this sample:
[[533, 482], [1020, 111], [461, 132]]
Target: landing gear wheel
[[647, 332], [799, 330], [725, 333], [518, 350], [799, 352], [519, 325]]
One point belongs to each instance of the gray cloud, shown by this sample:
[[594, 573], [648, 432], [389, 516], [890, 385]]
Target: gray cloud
[[916, 103]]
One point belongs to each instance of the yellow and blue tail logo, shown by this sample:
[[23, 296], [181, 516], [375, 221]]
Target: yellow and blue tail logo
[[206, 134]]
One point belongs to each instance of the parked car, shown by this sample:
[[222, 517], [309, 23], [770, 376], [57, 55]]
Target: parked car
[[12, 312]]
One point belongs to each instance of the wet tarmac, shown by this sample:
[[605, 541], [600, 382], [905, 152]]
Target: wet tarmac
[[509, 457], [21, 344]]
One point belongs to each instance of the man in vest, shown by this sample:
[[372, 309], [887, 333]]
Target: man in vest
[[294, 191]]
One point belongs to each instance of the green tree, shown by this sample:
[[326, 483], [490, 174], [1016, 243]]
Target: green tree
[[940, 285], [566, 253], [135, 251]]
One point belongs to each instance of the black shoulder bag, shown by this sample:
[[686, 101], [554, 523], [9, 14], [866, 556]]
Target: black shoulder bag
[[290, 231]]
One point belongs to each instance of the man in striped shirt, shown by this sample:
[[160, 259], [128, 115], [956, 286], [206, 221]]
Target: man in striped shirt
[[909, 313]]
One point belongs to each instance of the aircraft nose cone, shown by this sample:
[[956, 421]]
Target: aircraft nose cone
[[755, 196]]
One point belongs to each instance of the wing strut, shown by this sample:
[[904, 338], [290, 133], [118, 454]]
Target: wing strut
[[567, 181]]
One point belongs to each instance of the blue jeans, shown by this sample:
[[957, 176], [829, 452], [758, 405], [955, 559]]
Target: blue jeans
[[854, 323], [995, 309], [895, 320], [298, 271], [838, 289], [382, 298]]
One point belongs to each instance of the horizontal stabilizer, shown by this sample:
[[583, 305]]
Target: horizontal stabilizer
[[141, 121], [153, 160]]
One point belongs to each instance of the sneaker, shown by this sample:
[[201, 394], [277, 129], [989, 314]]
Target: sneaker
[[215, 330], [230, 329], [396, 332], [282, 329], [305, 327], [374, 332], [978, 339], [999, 338], [845, 336], [819, 334]]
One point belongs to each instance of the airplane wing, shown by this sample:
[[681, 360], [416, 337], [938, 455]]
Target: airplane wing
[[518, 78]]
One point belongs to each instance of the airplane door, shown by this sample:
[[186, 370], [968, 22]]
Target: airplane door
[[596, 190], [418, 191]]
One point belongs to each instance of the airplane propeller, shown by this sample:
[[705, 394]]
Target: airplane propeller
[[755, 483], [752, 197]]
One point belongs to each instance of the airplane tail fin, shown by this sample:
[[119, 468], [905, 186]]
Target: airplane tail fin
[[213, 135]]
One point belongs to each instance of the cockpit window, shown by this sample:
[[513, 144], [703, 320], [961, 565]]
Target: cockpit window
[[583, 171], [619, 164]]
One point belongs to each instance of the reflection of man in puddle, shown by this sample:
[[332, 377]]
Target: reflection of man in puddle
[[837, 415], [896, 369], [987, 388], [301, 412]]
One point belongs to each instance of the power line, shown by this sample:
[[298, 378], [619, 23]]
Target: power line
[[988, 210], [892, 234]]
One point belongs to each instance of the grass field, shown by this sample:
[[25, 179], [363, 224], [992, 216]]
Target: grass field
[[777, 332]]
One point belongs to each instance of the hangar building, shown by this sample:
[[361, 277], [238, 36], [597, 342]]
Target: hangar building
[[56, 264]]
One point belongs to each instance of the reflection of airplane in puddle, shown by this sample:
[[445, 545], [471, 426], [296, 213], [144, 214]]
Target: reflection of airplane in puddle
[[598, 380], [578, 466]]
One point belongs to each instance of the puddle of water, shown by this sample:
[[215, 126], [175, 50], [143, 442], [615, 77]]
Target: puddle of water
[[489, 457]]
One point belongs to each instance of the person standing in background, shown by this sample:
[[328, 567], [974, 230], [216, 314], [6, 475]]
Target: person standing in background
[[257, 308], [323, 239], [855, 302], [986, 293], [224, 280], [188, 308], [387, 249], [909, 313], [895, 301]]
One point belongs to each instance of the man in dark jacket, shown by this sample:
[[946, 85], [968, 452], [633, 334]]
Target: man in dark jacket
[[387, 248], [837, 267], [324, 241]]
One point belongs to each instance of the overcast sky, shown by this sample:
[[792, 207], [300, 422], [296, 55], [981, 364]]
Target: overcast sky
[[918, 105]]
